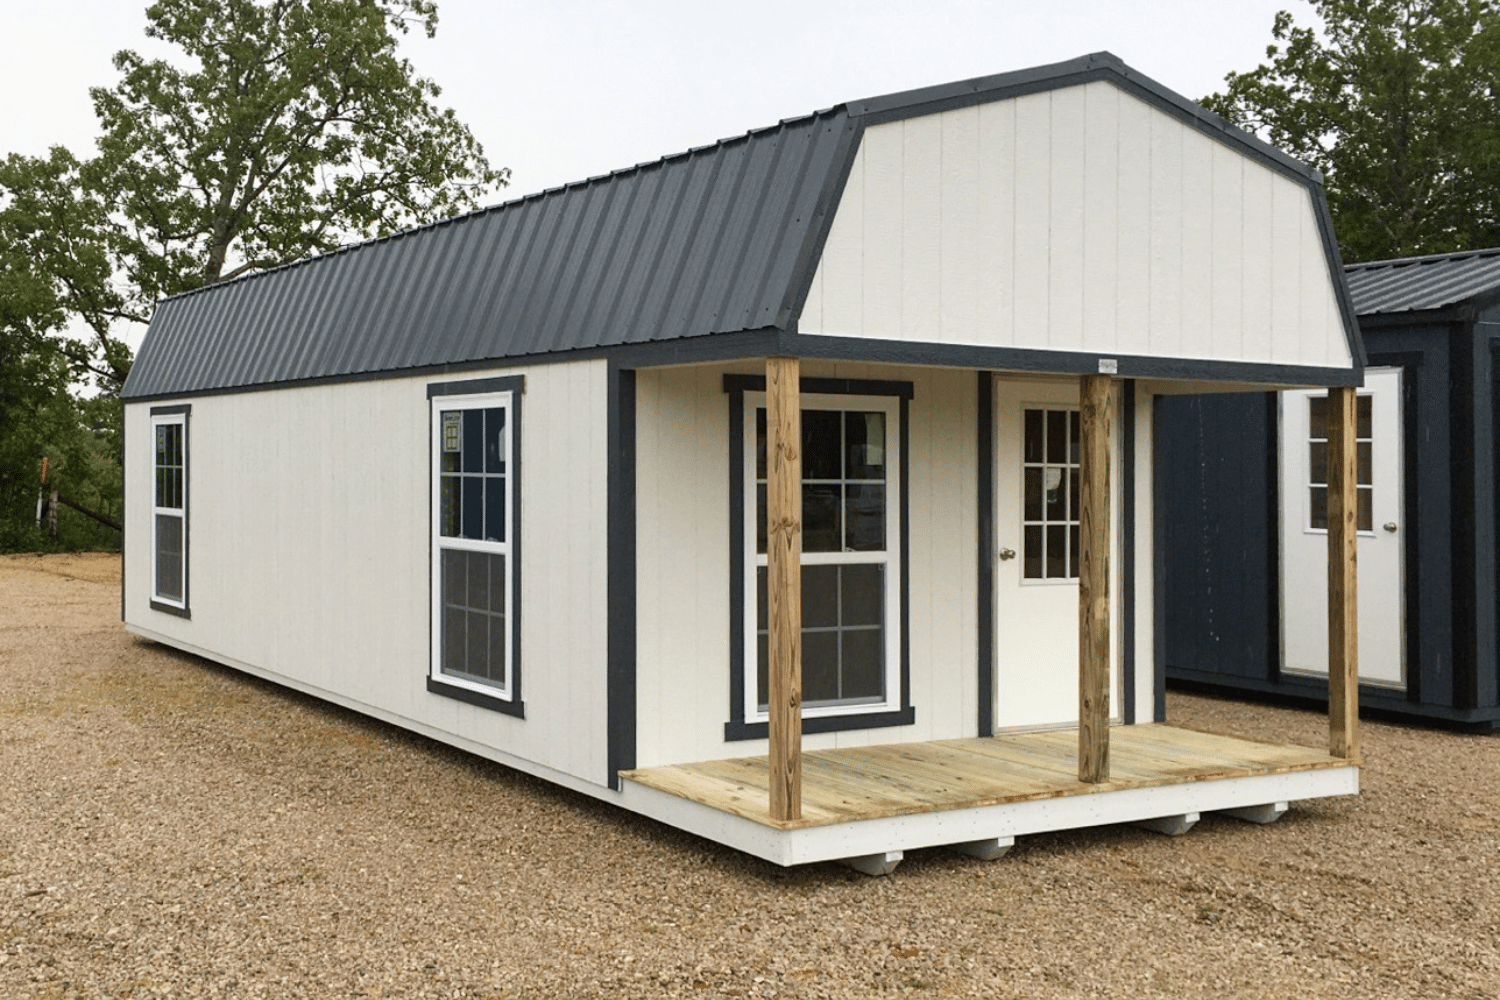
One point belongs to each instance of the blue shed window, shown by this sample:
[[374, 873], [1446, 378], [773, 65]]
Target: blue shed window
[[473, 573]]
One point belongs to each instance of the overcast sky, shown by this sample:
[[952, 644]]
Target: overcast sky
[[560, 90]]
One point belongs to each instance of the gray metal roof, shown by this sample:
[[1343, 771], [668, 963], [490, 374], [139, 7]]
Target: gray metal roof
[[718, 240], [1416, 284]]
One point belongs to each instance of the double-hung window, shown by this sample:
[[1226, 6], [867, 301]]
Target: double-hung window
[[853, 649], [169, 534], [475, 552]]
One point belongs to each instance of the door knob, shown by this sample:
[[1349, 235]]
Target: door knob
[[1007, 554], [1390, 526]]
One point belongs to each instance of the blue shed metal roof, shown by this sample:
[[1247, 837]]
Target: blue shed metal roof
[[718, 240], [1418, 284]]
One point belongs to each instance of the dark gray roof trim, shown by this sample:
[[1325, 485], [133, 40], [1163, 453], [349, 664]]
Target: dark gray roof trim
[[723, 239], [1420, 284]]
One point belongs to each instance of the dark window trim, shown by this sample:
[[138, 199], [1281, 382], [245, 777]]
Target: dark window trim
[[621, 639], [735, 386], [985, 612], [516, 385], [185, 411]]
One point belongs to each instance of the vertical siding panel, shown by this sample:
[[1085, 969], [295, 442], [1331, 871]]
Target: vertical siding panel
[[1107, 191], [1136, 222], [1033, 174], [960, 228], [1070, 148], [1258, 222], [1318, 319], [997, 223], [883, 212], [1197, 242], [1167, 233], [842, 267], [922, 178], [1226, 340], [1288, 203]]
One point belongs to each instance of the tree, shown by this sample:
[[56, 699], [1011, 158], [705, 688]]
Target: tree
[[1396, 102], [297, 128], [284, 129]]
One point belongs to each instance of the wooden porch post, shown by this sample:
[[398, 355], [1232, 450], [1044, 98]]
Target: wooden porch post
[[784, 581], [1343, 617], [1096, 413]]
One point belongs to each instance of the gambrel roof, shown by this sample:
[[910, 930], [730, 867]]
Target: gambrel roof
[[724, 240]]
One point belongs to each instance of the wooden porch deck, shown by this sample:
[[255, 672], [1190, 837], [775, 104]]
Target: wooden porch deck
[[905, 779]]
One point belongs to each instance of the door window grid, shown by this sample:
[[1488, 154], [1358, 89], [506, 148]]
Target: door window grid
[[1049, 512], [847, 592], [1317, 461]]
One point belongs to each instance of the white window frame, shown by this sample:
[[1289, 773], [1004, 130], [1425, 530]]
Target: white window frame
[[890, 558], [440, 542], [159, 420]]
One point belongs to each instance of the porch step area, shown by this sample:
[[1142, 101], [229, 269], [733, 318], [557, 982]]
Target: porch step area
[[866, 804]]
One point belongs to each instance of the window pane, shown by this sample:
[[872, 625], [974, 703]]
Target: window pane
[[1074, 449], [1073, 478], [451, 436], [473, 505], [448, 494], [175, 484], [760, 518], [1364, 462], [455, 577], [1033, 490], [473, 446], [820, 666], [1073, 563], [1033, 436], [455, 639], [498, 653], [822, 444], [820, 518], [862, 595], [864, 518], [477, 645], [1362, 417], [477, 594], [1032, 561], [1057, 436], [161, 486], [1366, 509], [494, 508], [1057, 552], [820, 596], [1317, 501], [863, 664], [494, 440], [1317, 462], [161, 444], [760, 599], [1317, 416], [169, 557], [1056, 495], [864, 439], [762, 671], [760, 443]]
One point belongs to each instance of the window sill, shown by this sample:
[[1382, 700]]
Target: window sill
[[472, 697], [171, 609], [736, 730]]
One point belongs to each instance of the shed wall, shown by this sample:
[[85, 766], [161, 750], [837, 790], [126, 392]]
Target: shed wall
[[683, 561], [309, 552], [1079, 219]]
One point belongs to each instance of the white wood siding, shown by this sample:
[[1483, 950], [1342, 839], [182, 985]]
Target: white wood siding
[[683, 561], [308, 552], [1080, 219]]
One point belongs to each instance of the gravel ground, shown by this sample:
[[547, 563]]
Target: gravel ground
[[169, 827]]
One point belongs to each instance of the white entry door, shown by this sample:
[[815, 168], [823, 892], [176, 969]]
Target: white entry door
[[1036, 534], [1304, 532]]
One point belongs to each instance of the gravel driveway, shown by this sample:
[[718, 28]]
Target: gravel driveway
[[169, 827]]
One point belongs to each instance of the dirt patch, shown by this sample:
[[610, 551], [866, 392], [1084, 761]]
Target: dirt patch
[[169, 827]]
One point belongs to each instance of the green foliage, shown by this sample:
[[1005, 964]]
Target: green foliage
[[284, 128], [1396, 102], [296, 129]]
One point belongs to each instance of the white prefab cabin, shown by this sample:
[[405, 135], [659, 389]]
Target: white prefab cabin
[[795, 490]]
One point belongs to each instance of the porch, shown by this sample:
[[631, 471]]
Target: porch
[[867, 804]]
